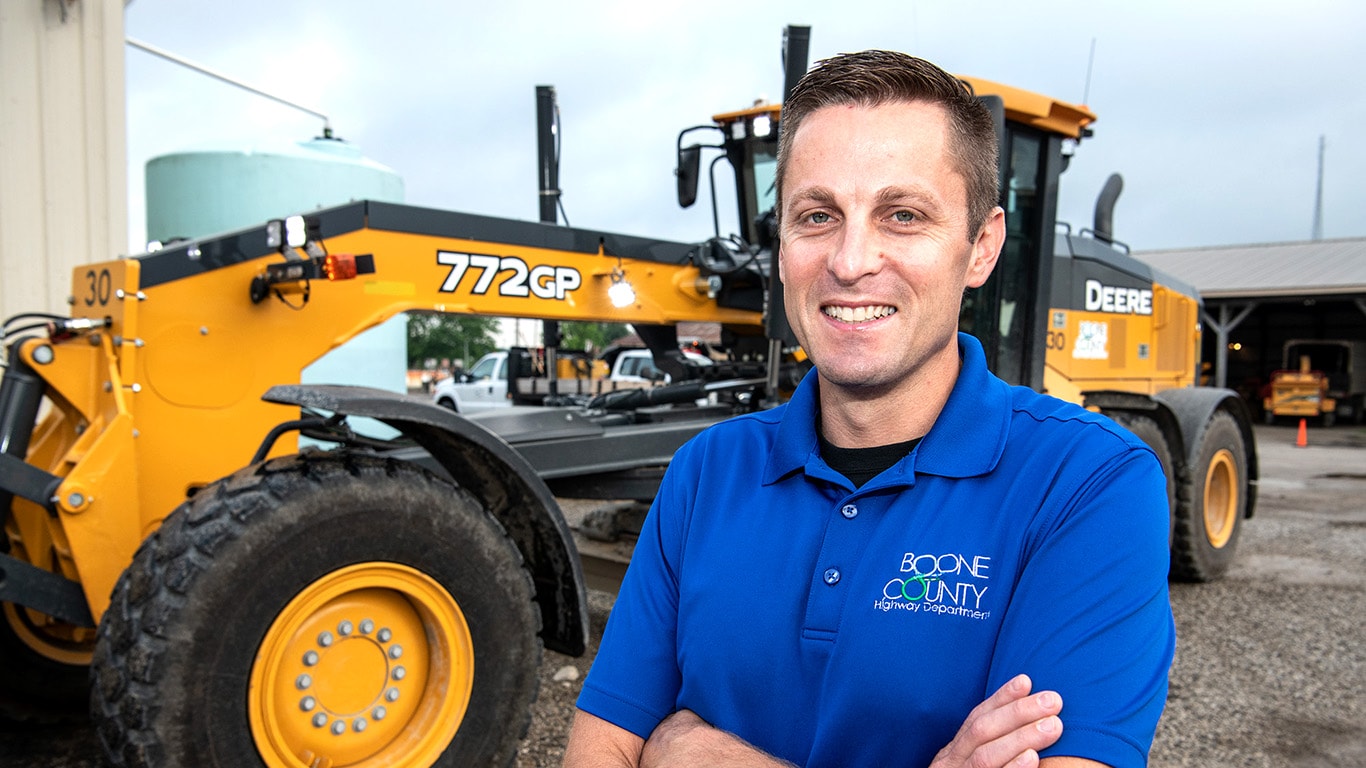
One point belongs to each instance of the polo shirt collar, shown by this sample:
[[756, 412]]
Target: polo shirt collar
[[966, 440]]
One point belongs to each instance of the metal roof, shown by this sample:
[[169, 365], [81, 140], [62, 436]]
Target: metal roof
[[1310, 268]]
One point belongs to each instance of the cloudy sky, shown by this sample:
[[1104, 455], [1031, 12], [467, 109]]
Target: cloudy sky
[[1212, 110]]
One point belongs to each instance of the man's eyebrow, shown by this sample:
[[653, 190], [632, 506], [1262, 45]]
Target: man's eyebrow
[[918, 195], [813, 195]]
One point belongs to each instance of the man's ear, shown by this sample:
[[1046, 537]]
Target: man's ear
[[781, 261], [986, 249]]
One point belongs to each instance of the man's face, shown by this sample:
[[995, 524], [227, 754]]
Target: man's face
[[876, 252]]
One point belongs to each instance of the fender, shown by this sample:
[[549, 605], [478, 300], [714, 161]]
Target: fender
[[484, 464], [1175, 431], [1193, 407]]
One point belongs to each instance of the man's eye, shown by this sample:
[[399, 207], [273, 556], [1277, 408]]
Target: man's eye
[[818, 218], [904, 217]]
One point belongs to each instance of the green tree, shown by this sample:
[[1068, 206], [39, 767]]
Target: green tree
[[575, 335], [452, 337]]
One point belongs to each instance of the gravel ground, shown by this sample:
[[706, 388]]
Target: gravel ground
[[1269, 670]]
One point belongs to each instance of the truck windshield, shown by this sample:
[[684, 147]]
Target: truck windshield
[[484, 368]]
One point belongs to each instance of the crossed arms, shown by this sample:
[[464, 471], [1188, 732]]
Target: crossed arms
[[1005, 731]]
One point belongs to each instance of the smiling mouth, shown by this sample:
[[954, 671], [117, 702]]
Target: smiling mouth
[[858, 314]]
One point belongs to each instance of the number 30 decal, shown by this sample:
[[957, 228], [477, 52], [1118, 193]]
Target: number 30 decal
[[98, 287], [542, 281]]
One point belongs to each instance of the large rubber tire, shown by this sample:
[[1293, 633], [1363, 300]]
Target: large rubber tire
[[1212, 503], [280, 603], [46, 677], [1146, 429]]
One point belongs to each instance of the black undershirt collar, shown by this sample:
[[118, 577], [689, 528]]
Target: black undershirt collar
[[863, 464]]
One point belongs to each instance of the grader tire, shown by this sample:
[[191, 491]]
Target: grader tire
[[1146, 429], [327, 609], [1212, 503]]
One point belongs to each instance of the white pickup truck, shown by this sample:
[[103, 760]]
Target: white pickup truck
[[486, 384], [483, 386]]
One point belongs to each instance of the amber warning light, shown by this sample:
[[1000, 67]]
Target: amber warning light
[[344, 266], [333, 266]]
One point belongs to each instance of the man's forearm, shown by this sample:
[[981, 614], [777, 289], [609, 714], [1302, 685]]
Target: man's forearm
[[685, 740], [596, 743], [1007, 729]]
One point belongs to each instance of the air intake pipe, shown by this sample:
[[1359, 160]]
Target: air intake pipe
[[1105, 208]]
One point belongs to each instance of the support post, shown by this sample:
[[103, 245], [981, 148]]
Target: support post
[[1221, 327]]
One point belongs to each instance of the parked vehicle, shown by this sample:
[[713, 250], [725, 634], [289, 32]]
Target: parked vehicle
[[484, 386], [487, 385], [1319, 378]]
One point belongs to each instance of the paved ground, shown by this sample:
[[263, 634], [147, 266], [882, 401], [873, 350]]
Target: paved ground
[[1270, 668]]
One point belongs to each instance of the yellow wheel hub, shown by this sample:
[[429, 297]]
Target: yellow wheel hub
[[371, 665], [1221, 498], [56, 640]]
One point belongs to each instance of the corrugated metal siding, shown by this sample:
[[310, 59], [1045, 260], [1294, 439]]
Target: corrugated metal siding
[[63, 188], [1273, 269]]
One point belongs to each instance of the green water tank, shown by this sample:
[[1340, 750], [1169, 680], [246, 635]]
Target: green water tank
[[213, 189]]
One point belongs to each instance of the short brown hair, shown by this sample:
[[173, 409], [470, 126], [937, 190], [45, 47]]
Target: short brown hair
[[873, 78]]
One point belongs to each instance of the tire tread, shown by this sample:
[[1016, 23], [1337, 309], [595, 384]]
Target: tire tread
[[151, 596]]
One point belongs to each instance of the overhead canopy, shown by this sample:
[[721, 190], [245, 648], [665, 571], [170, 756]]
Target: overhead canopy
[[1270, 270]]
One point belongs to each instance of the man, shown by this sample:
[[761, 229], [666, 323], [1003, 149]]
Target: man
[[881, 571]]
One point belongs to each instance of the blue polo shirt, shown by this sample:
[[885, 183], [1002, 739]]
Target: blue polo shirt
[[834, 626]]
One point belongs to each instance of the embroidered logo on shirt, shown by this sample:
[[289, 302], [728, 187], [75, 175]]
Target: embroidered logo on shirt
[[949, 584]]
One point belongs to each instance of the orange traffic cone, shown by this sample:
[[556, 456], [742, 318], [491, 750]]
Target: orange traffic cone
[[1302, 439]]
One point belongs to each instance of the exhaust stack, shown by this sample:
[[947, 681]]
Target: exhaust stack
[[1104, 227]]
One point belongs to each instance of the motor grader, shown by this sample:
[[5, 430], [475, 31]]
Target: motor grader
[[225, 597]]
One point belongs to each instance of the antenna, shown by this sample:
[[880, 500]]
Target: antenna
[[184, 62], [1090, 62], [1318, 195]]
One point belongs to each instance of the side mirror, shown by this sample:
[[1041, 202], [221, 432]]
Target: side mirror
[[689, 167]]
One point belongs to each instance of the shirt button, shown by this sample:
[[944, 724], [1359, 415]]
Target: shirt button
[[832, 576], [849, 511]]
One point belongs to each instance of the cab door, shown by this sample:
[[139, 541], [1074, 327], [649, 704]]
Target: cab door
[[1008, 314]]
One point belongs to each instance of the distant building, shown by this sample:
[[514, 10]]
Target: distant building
[[1257, 297]]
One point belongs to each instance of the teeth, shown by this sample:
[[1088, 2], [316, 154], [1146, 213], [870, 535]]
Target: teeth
[[858, 314]]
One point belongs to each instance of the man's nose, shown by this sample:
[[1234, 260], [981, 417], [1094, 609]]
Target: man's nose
[[856, 253]]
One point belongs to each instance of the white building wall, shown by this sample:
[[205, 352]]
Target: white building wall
[[62, 146]]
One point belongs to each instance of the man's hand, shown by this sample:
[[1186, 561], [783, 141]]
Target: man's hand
[[1005, 731], [685, 740]]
